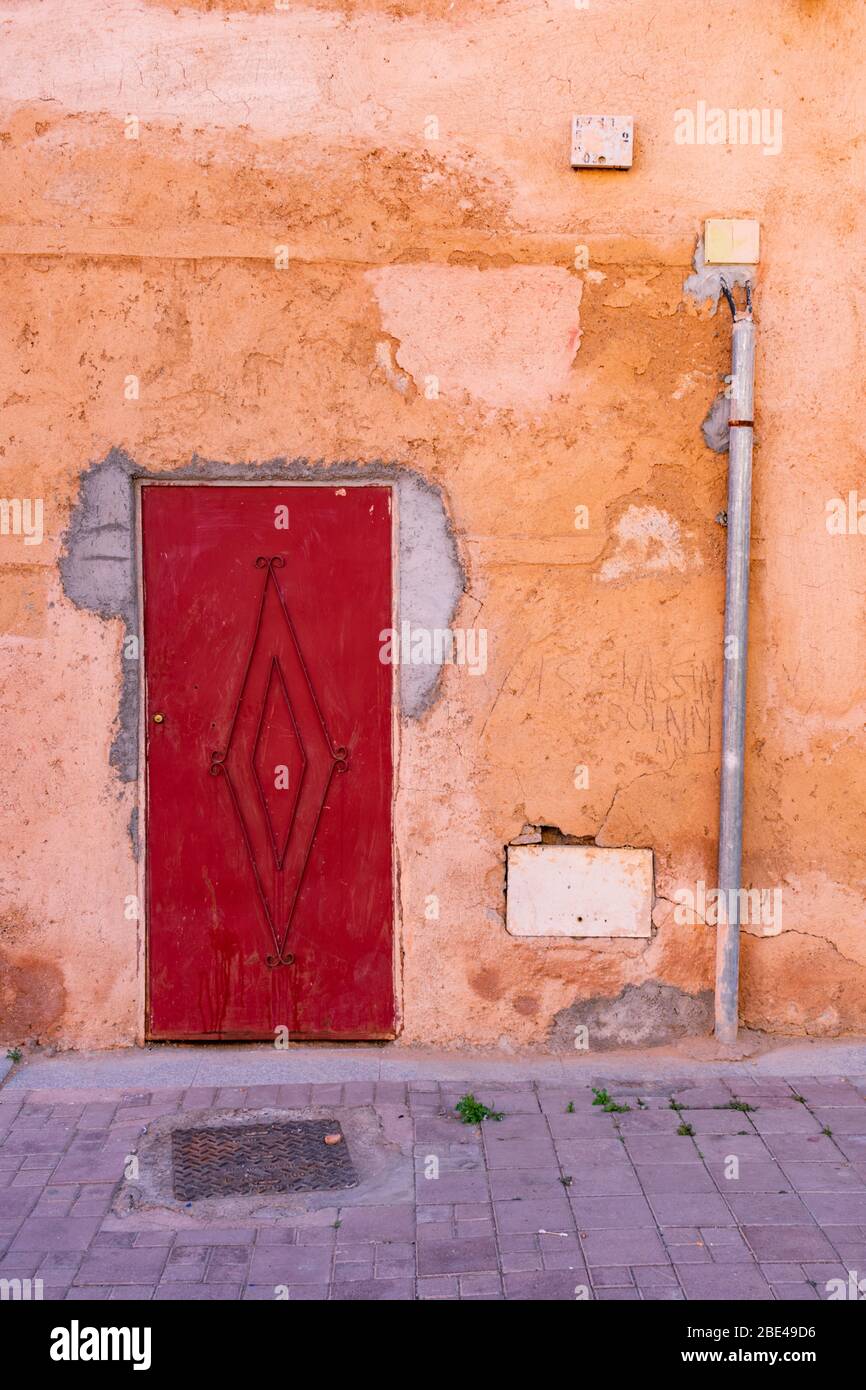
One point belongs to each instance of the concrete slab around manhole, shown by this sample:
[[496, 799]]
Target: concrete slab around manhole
[[376, 1151]]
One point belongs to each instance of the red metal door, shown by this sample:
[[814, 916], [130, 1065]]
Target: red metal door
[[268, 718]]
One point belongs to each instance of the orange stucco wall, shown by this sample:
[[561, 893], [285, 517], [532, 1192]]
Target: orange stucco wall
[[413, 158]]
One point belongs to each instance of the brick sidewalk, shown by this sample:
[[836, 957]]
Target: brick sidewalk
[[549, 1203]]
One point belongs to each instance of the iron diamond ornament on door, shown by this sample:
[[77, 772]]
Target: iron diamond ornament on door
[[253, 762], [269, 775]]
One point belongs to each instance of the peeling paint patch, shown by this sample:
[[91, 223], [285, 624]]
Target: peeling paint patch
[[688, 382], [24, 602], [648, 541], [32, 996], [646, 1015], [398, 380], [504, 337], [98, 567]]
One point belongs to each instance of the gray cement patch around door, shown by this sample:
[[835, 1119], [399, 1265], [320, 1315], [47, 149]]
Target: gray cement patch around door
[[379, 1142], [98, 567], [164, 1065]]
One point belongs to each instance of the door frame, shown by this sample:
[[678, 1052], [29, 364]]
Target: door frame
[[143, 951]]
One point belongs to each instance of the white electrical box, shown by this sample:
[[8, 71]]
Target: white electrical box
[[602, 142], [732, 241]]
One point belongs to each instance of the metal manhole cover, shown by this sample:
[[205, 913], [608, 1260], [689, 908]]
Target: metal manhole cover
[[241, 1160]]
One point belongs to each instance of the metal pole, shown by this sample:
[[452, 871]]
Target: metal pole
[[734, 689]]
